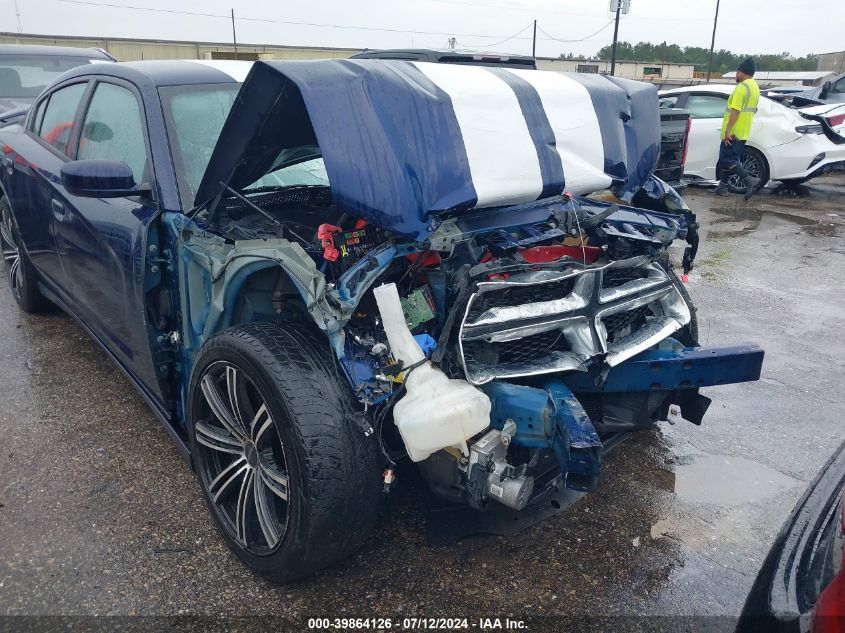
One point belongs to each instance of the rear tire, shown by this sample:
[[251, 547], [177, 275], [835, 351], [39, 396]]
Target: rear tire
[[291, 481], [754, 163], [23, 280]]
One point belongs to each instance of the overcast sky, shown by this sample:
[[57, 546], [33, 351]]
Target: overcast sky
[[771, 26]]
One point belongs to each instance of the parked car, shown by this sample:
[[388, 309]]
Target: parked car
[[832, 91], [340, 264], [786, 144], [801, 586], [26, 70]]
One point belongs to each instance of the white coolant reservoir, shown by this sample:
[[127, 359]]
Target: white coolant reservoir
[[435, 412]]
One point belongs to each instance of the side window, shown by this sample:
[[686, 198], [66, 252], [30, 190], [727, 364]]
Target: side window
[[57, 124], [113, 129], [706, 106], [839, 86]]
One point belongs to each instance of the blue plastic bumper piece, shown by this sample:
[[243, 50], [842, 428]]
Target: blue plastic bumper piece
[[668, 370], [550, 417]]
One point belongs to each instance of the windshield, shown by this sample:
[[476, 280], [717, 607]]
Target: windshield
[[310, 172], [25, 76], [195, 116]]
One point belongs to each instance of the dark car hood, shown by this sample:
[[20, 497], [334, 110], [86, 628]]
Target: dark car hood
[[405, 141]]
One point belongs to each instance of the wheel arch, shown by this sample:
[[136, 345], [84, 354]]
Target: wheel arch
[[251, 290], [766, 156]]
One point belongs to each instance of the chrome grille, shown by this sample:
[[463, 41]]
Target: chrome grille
[[524, 350], [553, 321], [624, 322], [618, 277], [520, 295]]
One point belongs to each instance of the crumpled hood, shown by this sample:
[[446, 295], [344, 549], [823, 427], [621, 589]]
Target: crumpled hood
[[404, 141]]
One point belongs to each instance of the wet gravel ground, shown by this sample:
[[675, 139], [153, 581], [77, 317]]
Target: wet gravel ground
[[100, 515]]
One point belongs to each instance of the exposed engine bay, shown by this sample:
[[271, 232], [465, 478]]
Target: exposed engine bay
[[491, 354]]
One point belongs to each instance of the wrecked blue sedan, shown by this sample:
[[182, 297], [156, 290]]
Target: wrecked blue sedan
[[314, 270]]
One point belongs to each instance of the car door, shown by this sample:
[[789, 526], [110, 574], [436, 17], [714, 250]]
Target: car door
[[35, 188], [104, 253], [706, 113]]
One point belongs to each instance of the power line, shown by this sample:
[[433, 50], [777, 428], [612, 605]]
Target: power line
[[512, 37], [654, 18], [292, 22], [124, 6], [583, 39], [513, 8], [547, 38]]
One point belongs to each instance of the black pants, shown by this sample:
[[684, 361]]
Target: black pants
[[730, 160]]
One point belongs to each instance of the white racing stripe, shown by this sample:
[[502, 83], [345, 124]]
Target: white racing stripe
[[572, 116], [502, 157], [237, 70]]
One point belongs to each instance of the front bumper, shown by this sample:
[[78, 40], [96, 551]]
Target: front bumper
[[550, 415], [573, 414], [673, 369]]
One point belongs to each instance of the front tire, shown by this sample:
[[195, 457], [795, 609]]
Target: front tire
[[291, 482], [23, 280], [754, 164]]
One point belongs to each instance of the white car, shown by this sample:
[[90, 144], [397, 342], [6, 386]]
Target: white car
[[784, 144]]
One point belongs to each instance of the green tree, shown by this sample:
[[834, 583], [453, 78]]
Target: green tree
[[723, 61]]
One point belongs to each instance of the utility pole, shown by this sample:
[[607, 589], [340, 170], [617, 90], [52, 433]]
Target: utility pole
[[615, 36], [18, 15], [534, 41], [234, 35], [713, 42]]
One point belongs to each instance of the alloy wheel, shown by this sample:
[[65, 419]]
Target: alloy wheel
[[11, 253], [751, 166], [241, 458]]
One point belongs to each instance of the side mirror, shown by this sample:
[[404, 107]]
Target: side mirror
[[825, 89], [101, 179]]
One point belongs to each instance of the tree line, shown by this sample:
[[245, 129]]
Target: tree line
[[723, 61]]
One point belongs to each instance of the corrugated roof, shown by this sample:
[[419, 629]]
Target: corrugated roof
[[785, 74]]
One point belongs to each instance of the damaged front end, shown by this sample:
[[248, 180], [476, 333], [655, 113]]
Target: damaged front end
[[499, 345], [499, 354]]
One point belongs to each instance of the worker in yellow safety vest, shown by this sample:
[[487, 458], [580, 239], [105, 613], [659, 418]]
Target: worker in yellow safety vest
[[736, 127]]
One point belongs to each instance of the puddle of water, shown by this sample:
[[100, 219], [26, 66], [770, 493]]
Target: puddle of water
[[726, 481], [784, 203]]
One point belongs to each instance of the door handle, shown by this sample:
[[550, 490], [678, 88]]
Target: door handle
[[58, 209]]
